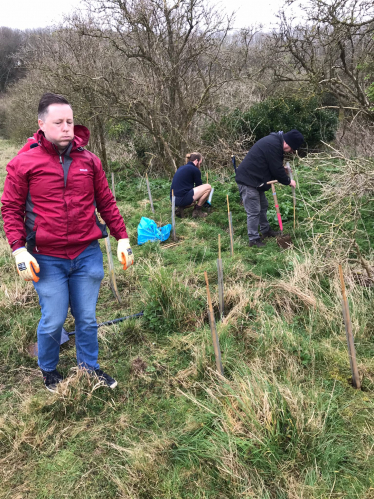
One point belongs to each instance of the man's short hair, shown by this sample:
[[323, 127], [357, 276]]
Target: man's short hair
[[195, 155], [46, 100]]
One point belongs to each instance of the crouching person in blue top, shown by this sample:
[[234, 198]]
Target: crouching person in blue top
[[188, 187]]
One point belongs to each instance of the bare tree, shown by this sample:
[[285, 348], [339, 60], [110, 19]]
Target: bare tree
[[174, 55], [330, 50], [61, 61], [157, 65]]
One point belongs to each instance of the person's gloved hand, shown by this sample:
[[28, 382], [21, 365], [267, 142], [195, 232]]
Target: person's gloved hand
[[26, 265], [124, 253]]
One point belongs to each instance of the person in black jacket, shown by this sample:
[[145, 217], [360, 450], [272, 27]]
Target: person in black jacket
[[188, 187], [264, 162]]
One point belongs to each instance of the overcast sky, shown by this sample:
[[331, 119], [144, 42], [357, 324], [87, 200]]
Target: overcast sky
[[24, 14]]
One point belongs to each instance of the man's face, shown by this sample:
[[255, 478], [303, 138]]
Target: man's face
[[287, 148], [58, 125]]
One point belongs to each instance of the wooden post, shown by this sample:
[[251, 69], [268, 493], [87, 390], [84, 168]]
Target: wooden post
[[213, 330], [232, 231], [220, 280], [348, 329], [230, 227], [113, 188], [149, 192], [207, 178], [113, 282], [112, 275], [173, 214], [293, 195]]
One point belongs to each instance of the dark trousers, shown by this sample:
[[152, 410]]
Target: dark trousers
[[256, 205]]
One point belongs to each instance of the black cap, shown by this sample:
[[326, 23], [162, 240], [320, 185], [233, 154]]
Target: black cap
[[294, 139]]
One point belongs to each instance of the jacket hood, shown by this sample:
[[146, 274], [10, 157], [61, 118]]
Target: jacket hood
[[81, 137]]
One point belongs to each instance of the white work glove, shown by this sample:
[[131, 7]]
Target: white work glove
[[124, 253], [26, 265]]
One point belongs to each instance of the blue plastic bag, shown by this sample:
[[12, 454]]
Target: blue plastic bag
[[148, 231]]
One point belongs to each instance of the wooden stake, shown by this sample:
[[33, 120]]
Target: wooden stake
[[213, 330], [112, 275], [113, 188], [293, 195], [230, 227], [348, 329], [207, 178], [220, 280], [113, 282], [173, 214], [149, 192]]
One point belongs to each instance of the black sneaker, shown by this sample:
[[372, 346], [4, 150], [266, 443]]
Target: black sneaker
[[52, 379], [257, 242], [105, 378], [270, 233]]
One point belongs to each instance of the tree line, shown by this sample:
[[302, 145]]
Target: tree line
[[158, 74]]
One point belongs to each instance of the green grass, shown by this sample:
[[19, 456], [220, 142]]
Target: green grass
[[283, 423]]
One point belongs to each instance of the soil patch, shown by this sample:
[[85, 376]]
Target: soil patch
[[285, 241]]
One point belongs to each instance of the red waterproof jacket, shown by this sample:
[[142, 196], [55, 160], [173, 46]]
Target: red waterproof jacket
[[49, 199], [31, 141]]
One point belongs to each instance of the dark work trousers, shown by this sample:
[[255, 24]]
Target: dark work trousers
[[256, 206]]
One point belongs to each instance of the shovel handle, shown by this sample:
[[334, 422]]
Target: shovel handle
[[277, 206]]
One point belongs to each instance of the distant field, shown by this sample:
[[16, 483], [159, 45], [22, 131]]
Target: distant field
[[283, 423]]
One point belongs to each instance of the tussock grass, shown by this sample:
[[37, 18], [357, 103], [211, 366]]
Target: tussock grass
[[284, 422]]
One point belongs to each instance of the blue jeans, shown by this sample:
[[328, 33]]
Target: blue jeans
[[63, 281]]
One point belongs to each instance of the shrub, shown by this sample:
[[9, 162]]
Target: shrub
[[275, 114]]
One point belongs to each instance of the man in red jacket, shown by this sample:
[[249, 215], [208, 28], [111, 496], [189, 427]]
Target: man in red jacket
[[49, 200]]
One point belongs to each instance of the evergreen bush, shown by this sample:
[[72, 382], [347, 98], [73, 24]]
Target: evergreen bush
[[276, 114]]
